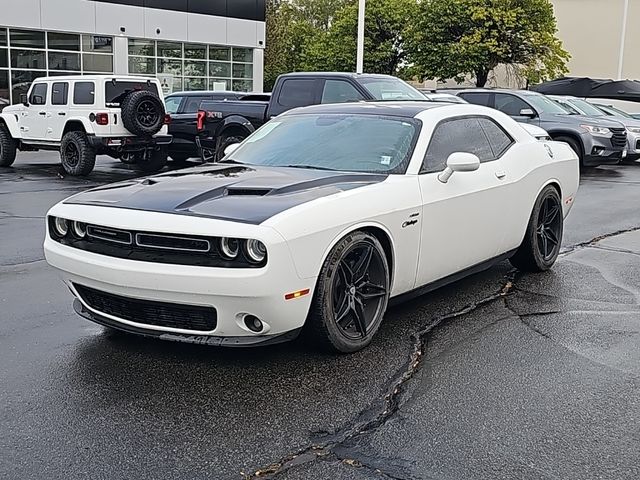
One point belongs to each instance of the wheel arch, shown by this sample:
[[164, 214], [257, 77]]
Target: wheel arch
[[75, 125], [569, 134], [10, 121], [235, 125]]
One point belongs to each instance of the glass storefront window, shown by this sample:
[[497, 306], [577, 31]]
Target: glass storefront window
[[173, 67], [220, 53], [97, 63], [242, 55], [4, 89], [97, 43], [21, 81], [63, 41], [218, 69], [26, 38], [31, 59], [4, 58], [142, 65], [219, 84], [169, 49], [145, 48], [64, 61], [242, 85], [3, 37], [195, 84], [194, 51], [195, 69], [242, 70]]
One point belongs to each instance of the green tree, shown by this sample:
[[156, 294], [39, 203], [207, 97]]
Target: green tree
[[385, 23], [452, 39]]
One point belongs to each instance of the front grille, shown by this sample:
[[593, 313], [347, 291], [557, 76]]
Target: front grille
[[147, 312], [170, 242], [619, 138]]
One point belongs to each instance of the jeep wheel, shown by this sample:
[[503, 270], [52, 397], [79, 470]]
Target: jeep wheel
[[142, 113], [77, 155], [7, 147], [154, 161]]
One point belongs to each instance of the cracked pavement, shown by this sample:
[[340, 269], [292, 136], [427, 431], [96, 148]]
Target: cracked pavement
[[500, 375]]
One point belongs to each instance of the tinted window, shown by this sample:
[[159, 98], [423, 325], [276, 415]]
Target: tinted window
[[38, 94], [193, 104], [510, 104], [116, 91], [84, 93], [339, 91], [390, 88], [459, 135], [498, 138], [477, 98], [59, 93], [172, 104], [297, 93]]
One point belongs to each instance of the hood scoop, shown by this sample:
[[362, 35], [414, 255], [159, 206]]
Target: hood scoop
[[248, 192]]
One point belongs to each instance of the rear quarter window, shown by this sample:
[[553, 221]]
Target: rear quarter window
[[477, 98], [84, 93], [116, 91]]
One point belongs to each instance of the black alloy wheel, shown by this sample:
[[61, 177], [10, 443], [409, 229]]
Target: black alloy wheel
[[359, 291], [549, 229], [351, 295], [72, 154], [147, 114]]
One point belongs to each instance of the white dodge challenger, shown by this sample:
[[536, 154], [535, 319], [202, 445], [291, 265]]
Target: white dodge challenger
[[314, 223]]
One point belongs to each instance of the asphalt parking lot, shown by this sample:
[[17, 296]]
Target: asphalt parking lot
[[501, 375]]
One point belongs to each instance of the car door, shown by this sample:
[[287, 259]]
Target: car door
[[513, 106], [59, 110], [35, 117], [462, 220]]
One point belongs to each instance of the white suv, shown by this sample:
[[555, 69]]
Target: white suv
[[89, 115]]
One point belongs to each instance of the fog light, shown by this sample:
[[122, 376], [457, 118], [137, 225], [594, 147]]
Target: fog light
[[253, 323], [256, 251], [61, 226], [229, 247], [79, 229]]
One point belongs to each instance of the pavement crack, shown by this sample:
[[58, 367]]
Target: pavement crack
[[616, 250], [590, 243]]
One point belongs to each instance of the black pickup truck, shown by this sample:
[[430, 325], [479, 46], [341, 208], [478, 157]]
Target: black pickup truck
[[222, 123]]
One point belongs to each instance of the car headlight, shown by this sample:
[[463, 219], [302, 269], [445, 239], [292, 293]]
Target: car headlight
[[256, 251], [60, 226], [633, 130], [598, 131], [230, 247], [79, 229]]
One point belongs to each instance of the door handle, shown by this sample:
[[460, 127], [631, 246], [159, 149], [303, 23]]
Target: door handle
[[501, 174], [62, 113], [42, 113]]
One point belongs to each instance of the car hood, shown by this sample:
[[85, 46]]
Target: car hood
[[242, 193], [584, 120]]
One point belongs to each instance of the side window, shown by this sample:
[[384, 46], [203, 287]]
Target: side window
[[59, 93], [38, 94], [192, 105], [499, 140], [172, 104], [510, 104], [339, 91], [84, 93], [477, 98], [297, 92], [457, 135]]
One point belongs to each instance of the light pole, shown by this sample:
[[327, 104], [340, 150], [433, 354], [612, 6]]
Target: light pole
[[623, 38], [360, 54]]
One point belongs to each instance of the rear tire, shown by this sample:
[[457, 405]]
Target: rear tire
[[575, 146], [155, 162], [7, 147], [351, 295], [223, 142], [541, 245], [78, 157]]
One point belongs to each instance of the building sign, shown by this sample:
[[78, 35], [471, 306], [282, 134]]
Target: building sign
[[166, 83]]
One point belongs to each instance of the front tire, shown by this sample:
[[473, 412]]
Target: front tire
[[7, 147], [78, 157], [351, 296], [541, 245], [575, 146]]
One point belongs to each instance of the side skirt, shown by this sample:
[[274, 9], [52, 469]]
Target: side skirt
[[430, 287]]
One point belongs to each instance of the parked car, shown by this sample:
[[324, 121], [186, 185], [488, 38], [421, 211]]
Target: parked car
[[579, 106], [633, 132], [82, 116], [535, 131], [225, 123], [316, 221], [596, 141], [183, 109], [436, 96]]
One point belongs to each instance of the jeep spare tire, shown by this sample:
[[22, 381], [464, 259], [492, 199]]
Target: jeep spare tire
[[142, 113]]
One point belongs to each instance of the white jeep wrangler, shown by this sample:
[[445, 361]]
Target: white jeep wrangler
[[84, 116]]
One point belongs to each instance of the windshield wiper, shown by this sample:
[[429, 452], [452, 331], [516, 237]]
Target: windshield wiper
[[231, 160], [308, 167]]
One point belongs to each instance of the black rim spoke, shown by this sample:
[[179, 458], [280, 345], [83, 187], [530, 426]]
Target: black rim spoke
[[360, 317], [343, 310], [361, 267], [549, 228], [370, 290]]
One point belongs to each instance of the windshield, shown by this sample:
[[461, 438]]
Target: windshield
[[585, 107], [546, 105], [390, 88], [615, 111], [355, 143]]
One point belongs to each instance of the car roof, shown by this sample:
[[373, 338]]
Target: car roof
[[126, 78], [497, 90], [407, 109], [196, 93], [337, 74]]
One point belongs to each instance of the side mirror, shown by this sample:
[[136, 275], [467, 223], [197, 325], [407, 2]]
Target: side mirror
[[231, 148], [459, 162], [527, 112], [24, 99]]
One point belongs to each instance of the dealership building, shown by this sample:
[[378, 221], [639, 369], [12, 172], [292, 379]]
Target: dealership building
[[188, 44]]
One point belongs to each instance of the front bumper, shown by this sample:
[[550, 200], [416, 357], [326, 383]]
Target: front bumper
[[232, 292], [599, 151]]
